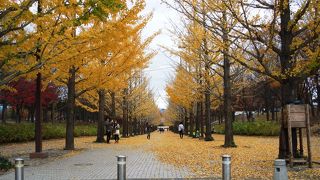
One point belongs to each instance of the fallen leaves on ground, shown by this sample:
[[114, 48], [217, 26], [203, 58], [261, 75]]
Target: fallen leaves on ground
[[253, 157], [81, 143]]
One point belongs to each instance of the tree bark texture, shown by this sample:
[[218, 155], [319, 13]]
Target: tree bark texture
[[100, 130], [70, 109]]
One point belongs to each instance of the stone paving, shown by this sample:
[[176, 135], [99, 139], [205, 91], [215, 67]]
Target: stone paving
[[102, 164]]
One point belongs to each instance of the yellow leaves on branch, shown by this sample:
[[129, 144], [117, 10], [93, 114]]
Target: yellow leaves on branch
[[185, 85], [104, 48], [118, 51]]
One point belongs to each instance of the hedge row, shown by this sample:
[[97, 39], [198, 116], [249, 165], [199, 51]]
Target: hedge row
[[257, 128], [25, 131]]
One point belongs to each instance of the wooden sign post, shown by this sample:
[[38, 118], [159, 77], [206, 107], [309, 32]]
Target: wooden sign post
[[298, 116]]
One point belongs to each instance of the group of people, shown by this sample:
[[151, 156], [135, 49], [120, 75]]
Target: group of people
[[112, 127]]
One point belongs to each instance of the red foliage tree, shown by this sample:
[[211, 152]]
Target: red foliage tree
[[24, 95]]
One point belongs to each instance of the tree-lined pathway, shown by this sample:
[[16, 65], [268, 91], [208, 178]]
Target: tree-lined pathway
[[99, 162], [165, 156]]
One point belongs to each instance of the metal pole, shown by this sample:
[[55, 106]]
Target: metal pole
[[19, 163], [121, 172], [226, 167], [280, 170]]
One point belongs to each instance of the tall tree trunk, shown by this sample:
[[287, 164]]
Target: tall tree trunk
[[266, 100], [60, 118], [191, 120], [129, 124], [19, 108], [201, 120], [273, 109], [186, 123], [100, 132], [53, 108], [228, 140], [29, 114], [3, 112], [113, 106], [288, 96], [46, 115], [70, 109], [38, 126], [135, 125], [198, 116], [208, 136], [207, 94], [289, 84], [38, 96], [125, 113], [32, 114]]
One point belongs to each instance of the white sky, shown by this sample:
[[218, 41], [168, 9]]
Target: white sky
[[161, 68]]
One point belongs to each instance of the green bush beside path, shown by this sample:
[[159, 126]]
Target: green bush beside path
[[257, 128], [10, 133]]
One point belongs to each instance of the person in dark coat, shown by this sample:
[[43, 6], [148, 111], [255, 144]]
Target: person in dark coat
[[109, 126], [148, 130]]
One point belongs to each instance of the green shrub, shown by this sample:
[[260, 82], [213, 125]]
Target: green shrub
[[257, 128], [52, 131], [88, 130], [5, 164], [25, 131]]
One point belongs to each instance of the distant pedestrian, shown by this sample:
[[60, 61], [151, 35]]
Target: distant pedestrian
[[109, 125], [117, 132], [160, 130], [181, 129], [148, 130]]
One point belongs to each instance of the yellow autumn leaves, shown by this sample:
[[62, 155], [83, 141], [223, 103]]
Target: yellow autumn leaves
[[253, 158], [100, 40]]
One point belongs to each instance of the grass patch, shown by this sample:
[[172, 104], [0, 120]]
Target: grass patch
[[5, 164], [25, 132], [257, 128]]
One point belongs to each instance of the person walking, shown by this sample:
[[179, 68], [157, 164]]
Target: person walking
[[108, 124], [148, 129], [181, 129], [117, 133]]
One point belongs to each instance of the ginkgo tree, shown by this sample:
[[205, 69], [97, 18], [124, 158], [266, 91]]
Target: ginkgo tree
[[68, 42], [279, 45], [282, 44], [141, 106], [185, 84], [120, 37], [217, 43]]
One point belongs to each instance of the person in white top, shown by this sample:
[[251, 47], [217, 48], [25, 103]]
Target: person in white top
[[181, 129], [117, 132]]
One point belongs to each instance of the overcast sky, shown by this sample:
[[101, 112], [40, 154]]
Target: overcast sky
[[161, 68]]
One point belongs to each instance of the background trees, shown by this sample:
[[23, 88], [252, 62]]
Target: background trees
[[258, 45], [86, 52]]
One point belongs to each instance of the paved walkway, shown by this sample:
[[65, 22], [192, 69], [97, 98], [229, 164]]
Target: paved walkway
[[102, 164]]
